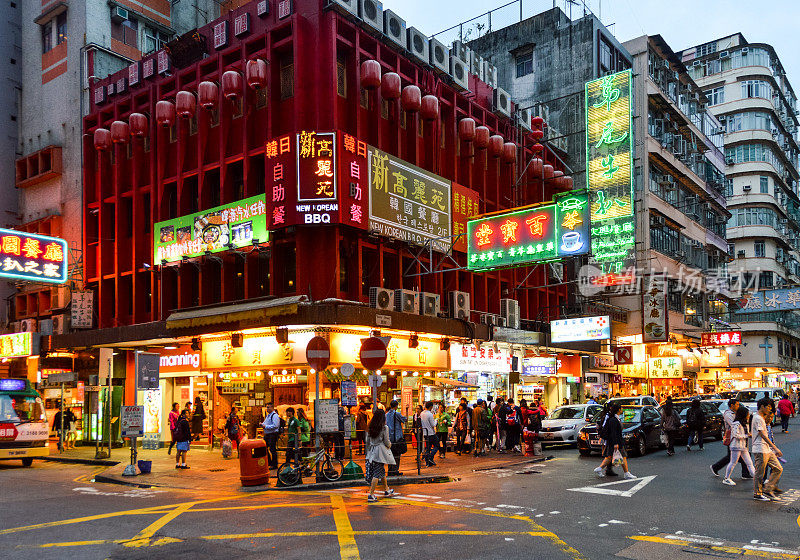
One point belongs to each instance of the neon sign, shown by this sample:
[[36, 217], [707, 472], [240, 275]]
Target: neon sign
[[608, 161], [33, 257], [534, 234], [16, 345]]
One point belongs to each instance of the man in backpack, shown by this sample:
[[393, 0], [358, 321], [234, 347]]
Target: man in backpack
[[272, 430], [696, 422], [499, 416], [396, 422], [513, 425], [480, 427]]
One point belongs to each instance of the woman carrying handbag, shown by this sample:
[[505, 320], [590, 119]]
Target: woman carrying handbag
[[378, 455]]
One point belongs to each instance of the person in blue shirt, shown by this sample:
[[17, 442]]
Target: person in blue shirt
[[395, 422], [272, 427]]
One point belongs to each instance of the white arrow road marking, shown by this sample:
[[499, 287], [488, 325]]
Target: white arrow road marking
[[604, 488]]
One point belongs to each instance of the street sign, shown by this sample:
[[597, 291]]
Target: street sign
[[373, 353], [64, 377], [326, 415], [131, 420], [349, 393], [375, 380], [724, 338], [623, 355], [347, 370], [147, 370], [318, 353], [406, 400], [638, 484]]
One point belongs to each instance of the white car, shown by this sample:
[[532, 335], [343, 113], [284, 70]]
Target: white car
[[750, 398], [564, 424]]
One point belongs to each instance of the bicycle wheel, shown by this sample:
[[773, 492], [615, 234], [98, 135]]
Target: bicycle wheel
[[289, 475], [331, 468]]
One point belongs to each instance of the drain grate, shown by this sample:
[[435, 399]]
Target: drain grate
[[215, 470], [711, 553]]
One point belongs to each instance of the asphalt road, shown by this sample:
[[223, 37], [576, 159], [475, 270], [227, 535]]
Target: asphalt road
[[55, 511]]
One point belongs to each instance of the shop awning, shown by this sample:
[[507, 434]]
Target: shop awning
[[233, 313], [450, 382]]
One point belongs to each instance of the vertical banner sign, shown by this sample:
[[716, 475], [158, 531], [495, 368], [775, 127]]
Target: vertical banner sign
[[655, 327], [408, 203], [353, 180], [317, 197], [147, 373], [349, 393], [280, 177], [82, 310], [609, 162], [465, 206]]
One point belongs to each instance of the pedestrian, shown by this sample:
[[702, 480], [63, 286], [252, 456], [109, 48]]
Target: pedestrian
[[481, 425], [197, 419], [272, 431], [361, 427], [513, 426], [305, 432], [591, 400], [183, 437], [786, 408], [739, 439], [428, 425], [395, 422], [338, 438], [499, 418], [378, 455], [728, 418], [443, 422], [233, 427], [463, 425], [174, 414], [765, 454], [696, 422], [670, 422], [72, 429], [292, 435], [614, 443], [523, 411]]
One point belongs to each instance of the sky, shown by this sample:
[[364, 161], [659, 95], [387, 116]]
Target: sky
[[686, 23]]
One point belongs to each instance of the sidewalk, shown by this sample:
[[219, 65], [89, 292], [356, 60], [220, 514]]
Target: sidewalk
[[209, 470]]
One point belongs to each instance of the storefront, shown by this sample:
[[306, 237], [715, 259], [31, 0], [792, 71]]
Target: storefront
[[600, 376], [181, 382], [486, 367]]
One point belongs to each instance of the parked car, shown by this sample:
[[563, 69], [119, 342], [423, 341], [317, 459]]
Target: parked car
[[728, 395], [641, 428], [563, 425], [641, 400], [714, 426], [749, 398]]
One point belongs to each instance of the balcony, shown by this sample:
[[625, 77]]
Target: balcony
[[38, 167]]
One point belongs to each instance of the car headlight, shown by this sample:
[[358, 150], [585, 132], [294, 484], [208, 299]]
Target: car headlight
[[570, 427], [583, 435]]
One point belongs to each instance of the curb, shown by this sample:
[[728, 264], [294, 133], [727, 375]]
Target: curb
[[80, 461]]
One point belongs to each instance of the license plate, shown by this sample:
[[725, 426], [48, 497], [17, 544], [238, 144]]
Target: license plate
[[547, 435], [594, 442]]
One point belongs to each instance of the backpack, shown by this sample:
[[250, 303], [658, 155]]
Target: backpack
[[511, 417], [601, 426], [485, 419], [691, 416]]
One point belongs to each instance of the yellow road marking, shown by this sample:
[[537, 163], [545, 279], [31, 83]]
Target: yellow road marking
[[716, 548], [347, 542], [143, 537], [265, 506], [142, 511], [86, 477], [268, 535]]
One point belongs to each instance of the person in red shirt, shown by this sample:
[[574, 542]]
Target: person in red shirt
[[786, 408]]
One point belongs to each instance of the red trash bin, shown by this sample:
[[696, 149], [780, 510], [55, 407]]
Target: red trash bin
[[253, 468]]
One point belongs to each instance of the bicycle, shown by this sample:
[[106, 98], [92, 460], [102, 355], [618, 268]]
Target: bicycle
[[292, 471]]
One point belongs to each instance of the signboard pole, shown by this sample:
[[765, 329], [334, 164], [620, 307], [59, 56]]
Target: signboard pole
[[61, 428], [130, 470], [108, 407], [317, 439]]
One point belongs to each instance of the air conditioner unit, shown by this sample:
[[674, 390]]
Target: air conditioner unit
[[525, 118], [371, 12], [417, 44], [429, 304], [740, 253], [46, 326], [490, 74], [491, 320], [394, 27], [509, 309], [724, 54], [476, 65], [458, 307], [27, 325], [381, 298], [14, 326], [60, 325], [406, 301], [501, 102], [696, 63], [439, 56], [459, 72], [119, 14], [344, 6], [461, 51], [745, 50], [746, 188]]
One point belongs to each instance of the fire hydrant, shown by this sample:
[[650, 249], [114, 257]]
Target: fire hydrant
[[530, 439]]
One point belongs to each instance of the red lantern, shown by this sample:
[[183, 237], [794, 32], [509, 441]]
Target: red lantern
[[370, 74], [537, 135], [509, 152], [536, 167], [165, 113], [390, 86], [537, 148], [185, 104], [482, 137], [256, 71], [102, 139], [548, 172], [208, 93], [411, 99], [466, 129], [231, 85], [537, 122], [430, 108], [496, 145], [119, 132], [138, 125], [566, 183]]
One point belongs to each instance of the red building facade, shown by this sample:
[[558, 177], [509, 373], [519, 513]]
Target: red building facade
[[221, 138]]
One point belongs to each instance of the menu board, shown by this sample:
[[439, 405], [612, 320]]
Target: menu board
[[326, 415]]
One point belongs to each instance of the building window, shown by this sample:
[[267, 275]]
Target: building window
[[756, 88], [758, 247], [287, 77], [341, 74], [61, 28], [524, 64], [731, 249], [764, 184], [605, 57], [765, 279], [715, 95], [154, 40], [126, 32], [47, 37], [728, 187]]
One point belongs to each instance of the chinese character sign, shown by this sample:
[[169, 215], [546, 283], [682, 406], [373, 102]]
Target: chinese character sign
[[654, 310], [581, 328], [608, 163], [724, 338], [783, 299], [33, 257], [661, 368], [316, 166], [465, 206], [408, 203], [218, 229], [82, 310], [537, 233], [354, 180], [17, 345]]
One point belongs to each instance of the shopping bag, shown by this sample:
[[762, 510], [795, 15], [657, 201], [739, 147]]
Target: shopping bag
[[664, 438], [617, 458]]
